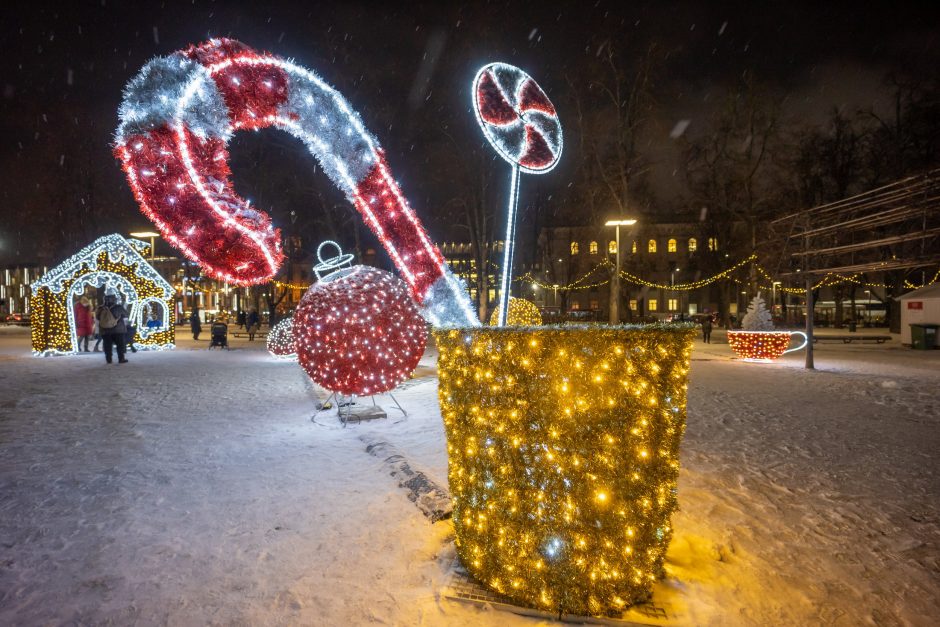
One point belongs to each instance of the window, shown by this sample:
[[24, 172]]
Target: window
[[632, 304], [673, 304], [693, 244], [712, 243], [574, 248], [575, 306], [671, 246], [595, 304], [612, 247], [653, 304], [651, 247], [633, 248], [593, 248]]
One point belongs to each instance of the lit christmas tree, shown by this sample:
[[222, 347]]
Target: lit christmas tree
[[757, 317]]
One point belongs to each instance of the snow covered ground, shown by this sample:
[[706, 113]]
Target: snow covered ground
[[192, 487]]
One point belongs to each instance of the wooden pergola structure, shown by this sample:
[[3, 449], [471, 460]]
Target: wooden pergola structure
[[893, 229]]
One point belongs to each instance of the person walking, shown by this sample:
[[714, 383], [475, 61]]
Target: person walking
[[84, 322], [253, 321], [112, 326], [707, 329], [194, 324]]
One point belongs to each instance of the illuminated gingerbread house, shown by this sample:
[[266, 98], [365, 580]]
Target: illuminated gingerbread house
[[116, 264]]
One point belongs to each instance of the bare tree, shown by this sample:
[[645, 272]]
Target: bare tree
[[729, 173]]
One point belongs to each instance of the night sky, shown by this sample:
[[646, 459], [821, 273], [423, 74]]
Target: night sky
[[407, 71]]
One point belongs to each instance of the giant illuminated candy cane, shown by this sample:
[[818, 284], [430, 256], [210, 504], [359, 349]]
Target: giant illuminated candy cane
[[520, 122], [177, 117]]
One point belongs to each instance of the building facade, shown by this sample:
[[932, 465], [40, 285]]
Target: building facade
[[16, 287], [578, 263]]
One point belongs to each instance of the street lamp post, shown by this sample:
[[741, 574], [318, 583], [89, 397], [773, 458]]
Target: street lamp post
[[152, 237], [615, 283], [672, 285], [773, 297]]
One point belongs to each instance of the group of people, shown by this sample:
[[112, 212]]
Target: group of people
[[250, 320], [109, 324]]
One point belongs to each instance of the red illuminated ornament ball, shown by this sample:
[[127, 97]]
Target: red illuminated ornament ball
[[358, 331]]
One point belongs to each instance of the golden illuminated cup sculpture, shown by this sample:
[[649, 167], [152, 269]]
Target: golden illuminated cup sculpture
[[563, 448]]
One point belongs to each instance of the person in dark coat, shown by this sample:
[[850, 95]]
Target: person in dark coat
[[241, 319], [195, 324], [113, 336], [253, 321], [707, 329]]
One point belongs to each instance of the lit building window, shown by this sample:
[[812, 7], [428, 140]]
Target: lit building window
[[632, 304], [712, 243], [593, 248], [595, 304], [653, 304], [633, 248], [673, 304], [612, 247], [575, 306], [671, 246], [651, 247], [693, 244], [574, 248]]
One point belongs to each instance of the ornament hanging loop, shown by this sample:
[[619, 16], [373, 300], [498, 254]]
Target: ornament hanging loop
[[328, 266]]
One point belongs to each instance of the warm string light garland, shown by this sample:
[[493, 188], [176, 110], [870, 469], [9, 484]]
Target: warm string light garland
[[913, 286], [563, 448], [109, 262], [291, 286], [683, 287], [522, 313], [828, 280], [177, 117], [357, 331], [576, 285], [280, 342]]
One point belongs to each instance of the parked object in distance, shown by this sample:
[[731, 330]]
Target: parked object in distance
[[18, 318]]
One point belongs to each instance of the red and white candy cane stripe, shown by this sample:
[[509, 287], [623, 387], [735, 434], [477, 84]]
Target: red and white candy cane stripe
[[177, 117]]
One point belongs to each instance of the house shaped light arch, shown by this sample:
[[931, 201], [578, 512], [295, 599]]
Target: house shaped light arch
[[110, 262]]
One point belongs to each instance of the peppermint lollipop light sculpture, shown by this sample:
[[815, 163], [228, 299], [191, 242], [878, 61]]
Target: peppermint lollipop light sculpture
[[521, 123]]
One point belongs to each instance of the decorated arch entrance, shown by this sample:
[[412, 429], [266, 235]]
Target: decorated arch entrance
[[114, 264]]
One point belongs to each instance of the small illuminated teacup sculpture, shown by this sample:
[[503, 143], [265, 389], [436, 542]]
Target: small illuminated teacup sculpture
[[763, 346], [563, 448]]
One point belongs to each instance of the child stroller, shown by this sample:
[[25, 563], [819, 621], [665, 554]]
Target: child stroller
[[219, 335]]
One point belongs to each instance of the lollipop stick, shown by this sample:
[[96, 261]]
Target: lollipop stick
[[508, 246]]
